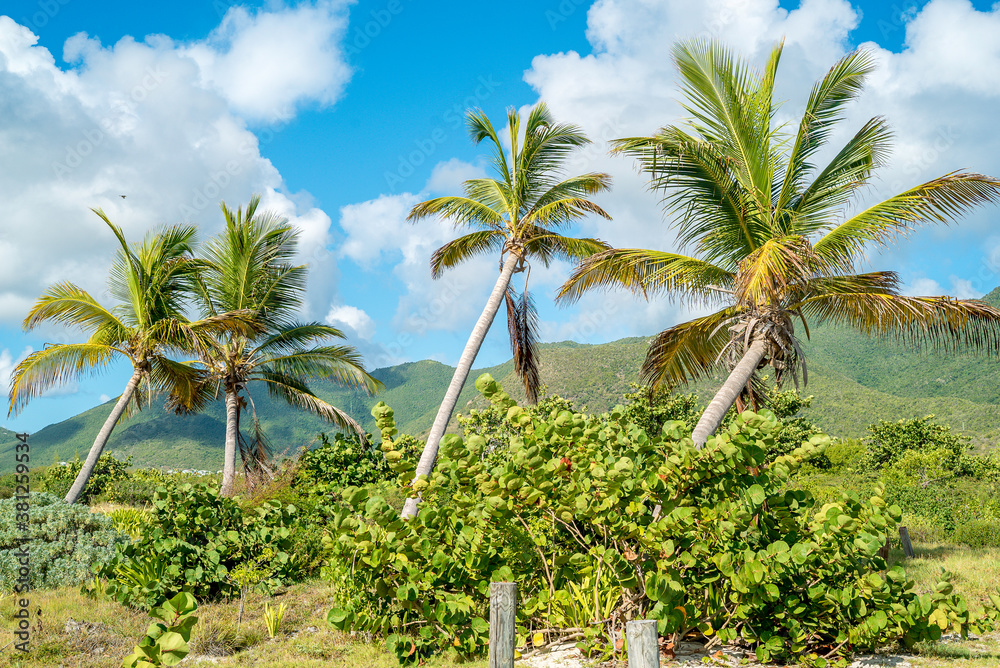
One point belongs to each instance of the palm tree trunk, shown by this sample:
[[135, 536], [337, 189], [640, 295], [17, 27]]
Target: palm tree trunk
[[727, 394], [232, 433], [97, 448], [429, 455]]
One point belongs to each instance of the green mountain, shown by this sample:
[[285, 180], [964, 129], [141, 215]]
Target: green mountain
[[855, 381]]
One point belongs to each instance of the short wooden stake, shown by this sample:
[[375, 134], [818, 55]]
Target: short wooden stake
[[643, 644], [503, 611], [904, 538]]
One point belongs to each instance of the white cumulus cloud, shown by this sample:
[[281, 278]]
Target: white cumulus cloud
[[352, 318], [146, 131]]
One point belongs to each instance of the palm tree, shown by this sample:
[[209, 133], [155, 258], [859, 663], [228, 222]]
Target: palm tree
[[248, 268], [771, 241], [519, 216], [150, 282]]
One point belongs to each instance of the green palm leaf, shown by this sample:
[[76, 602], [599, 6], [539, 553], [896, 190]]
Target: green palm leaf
[[647, 273]]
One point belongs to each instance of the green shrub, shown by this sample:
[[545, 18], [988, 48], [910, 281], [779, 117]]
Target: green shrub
[[891, 440], [58, 478], [131, 521], [200, 537], [342, 462], [978, 533], [135, 489], [65, 542], [166, 641], [845, 455], [599, 522]]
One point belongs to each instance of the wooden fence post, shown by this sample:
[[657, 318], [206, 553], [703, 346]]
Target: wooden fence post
[[904, 538], [503, 611], [643, 645]]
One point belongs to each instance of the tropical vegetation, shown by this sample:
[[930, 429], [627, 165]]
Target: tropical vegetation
[[767, 534], [518, 215], [248, 268], [151, 282], [772, 243]]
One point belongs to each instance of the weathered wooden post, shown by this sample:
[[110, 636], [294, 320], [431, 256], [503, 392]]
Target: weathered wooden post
[[643, 645], [503, 611], [904, 538]]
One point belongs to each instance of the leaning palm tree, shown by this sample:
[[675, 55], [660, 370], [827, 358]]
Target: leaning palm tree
[[248, 268], [519, 216], [772, 243], [150, 282]]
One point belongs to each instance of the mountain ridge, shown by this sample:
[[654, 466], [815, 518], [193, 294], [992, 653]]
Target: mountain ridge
[[854, 380]]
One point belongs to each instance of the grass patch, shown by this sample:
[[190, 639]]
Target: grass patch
[[73, 630], [975, 571]]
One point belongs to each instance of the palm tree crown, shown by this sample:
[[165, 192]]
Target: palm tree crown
[[249, 268], [150, 283], [771, 242]]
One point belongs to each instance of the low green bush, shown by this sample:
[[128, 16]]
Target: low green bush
[[193, 541], [65, 541], [845, 455], [135, 489], [599, 522], [888, 441], [58, 478], [978, 533], [342, 461]]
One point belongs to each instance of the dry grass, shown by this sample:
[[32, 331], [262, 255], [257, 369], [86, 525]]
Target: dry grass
[[109, 631], [974, 572]]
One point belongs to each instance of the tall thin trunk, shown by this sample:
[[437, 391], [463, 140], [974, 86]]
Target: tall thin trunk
[[727, 394], [82, 478], [232, 434], [429, 455]]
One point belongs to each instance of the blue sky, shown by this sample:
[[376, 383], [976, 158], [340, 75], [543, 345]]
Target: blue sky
[[346, 114]]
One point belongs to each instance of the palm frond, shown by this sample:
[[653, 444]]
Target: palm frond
[[834, 187], [460, 210], [938, 201], [714, 213], [522, 325], [481, 128], [186, 384], [341, 364], [297, 395], [545, 247], [842, 84], [55, 365], [767, 274], [67, 304], [942, 323], [647, 272], [465, 248], [688, 351]]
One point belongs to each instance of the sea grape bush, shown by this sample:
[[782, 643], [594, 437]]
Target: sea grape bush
[[166, 641], [194, 539], [66, 541], [341, 462], [600, 522], [108, 470]]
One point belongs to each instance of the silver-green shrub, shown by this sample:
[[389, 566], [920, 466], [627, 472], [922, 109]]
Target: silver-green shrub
[[65, 541]]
